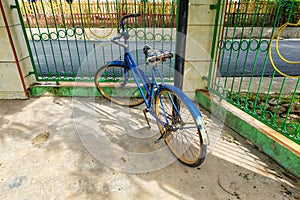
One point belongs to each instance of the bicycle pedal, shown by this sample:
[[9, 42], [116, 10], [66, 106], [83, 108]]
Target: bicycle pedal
[[158, 140]]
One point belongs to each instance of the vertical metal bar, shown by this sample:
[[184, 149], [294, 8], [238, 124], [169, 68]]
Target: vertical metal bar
[[144, 25], [42, 43], [239, 51], [182, 19], [84, 40], [248, 44], [43, 48], [103, 54], [26, 37], [119, 6], [263, 70], [274, 118], [222, 39], [273, 75], [265, 61], [109, 9], [51, 44], [163, 23], [153, 19], [171, 36], [76, 42], [255, 65], [67, 38], [232, 43], [172, 18], [211, 74], [135, 27], [84, 22], [162, 14], [55, 16]]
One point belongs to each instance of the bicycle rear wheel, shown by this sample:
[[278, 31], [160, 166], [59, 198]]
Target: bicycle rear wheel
[[183, 126], [117, 87]]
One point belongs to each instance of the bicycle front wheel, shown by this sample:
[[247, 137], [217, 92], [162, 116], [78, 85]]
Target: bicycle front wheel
[[118, 85], [181, 131]]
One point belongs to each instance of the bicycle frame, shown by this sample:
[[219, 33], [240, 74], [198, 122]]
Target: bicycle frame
[[138, 74], [141, 78]]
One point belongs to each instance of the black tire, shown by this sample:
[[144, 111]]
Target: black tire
[[185, 143], [109, 80]]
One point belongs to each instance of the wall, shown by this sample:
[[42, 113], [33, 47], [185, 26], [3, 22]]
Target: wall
[[14, 68], [201, 21], [14, 81]]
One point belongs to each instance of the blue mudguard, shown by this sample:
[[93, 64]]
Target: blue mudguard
[[191, 106]]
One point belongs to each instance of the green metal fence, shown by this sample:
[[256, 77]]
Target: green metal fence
[[69, 41], [244, 75]]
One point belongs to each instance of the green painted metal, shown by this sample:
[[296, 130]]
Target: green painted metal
[[17, 6], [240, 71], [63, 91], [69, 42], [216, 37], [71, 91], [280, 154]]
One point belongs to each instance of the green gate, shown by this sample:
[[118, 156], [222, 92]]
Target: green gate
[[258, 61], [70, 40]]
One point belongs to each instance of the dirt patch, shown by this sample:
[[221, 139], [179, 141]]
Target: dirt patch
[[39, 140]]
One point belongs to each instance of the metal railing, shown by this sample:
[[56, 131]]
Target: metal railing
[[70, 42], [243, 71], [103, 14], [263, 12]]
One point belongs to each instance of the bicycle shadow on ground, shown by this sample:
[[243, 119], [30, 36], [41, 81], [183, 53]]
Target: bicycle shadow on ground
[[232, 167], [62, 168]]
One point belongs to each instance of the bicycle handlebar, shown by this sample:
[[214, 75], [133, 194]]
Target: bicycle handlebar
[[122, 44], [127, 16], [123, 33]]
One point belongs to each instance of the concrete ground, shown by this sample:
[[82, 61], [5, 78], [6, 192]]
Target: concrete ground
[[81, 148]]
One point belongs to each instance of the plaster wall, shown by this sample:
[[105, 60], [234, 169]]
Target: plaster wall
[[201, 22], [12, 78]]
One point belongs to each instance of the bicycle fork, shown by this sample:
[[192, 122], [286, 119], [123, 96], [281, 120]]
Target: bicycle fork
[[168, 129]]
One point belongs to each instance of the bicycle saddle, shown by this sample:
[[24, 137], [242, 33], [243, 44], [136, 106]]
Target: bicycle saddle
[[156, 55]]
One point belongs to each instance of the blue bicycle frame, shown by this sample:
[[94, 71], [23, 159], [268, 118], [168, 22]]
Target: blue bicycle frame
[[164, 102], [138, 74]]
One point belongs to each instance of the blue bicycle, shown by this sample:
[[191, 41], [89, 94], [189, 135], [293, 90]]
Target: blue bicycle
[[179, 121]]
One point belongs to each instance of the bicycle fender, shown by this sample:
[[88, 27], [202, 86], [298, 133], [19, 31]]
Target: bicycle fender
[[116, 62], [195, 112], [138, 70]]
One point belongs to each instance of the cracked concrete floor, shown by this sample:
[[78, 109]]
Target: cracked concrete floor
[[49, 150]]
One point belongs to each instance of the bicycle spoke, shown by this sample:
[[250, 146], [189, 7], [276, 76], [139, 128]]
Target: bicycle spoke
[[116, 84], [182, 132]]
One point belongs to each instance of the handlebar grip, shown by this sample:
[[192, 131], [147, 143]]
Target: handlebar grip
[[127, 16], [130, 15], [116, 38]]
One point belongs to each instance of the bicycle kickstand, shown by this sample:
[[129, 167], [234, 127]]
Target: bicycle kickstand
[[146, 117]]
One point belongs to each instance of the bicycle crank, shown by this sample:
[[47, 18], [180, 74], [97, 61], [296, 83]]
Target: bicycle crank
[[168, 129]]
